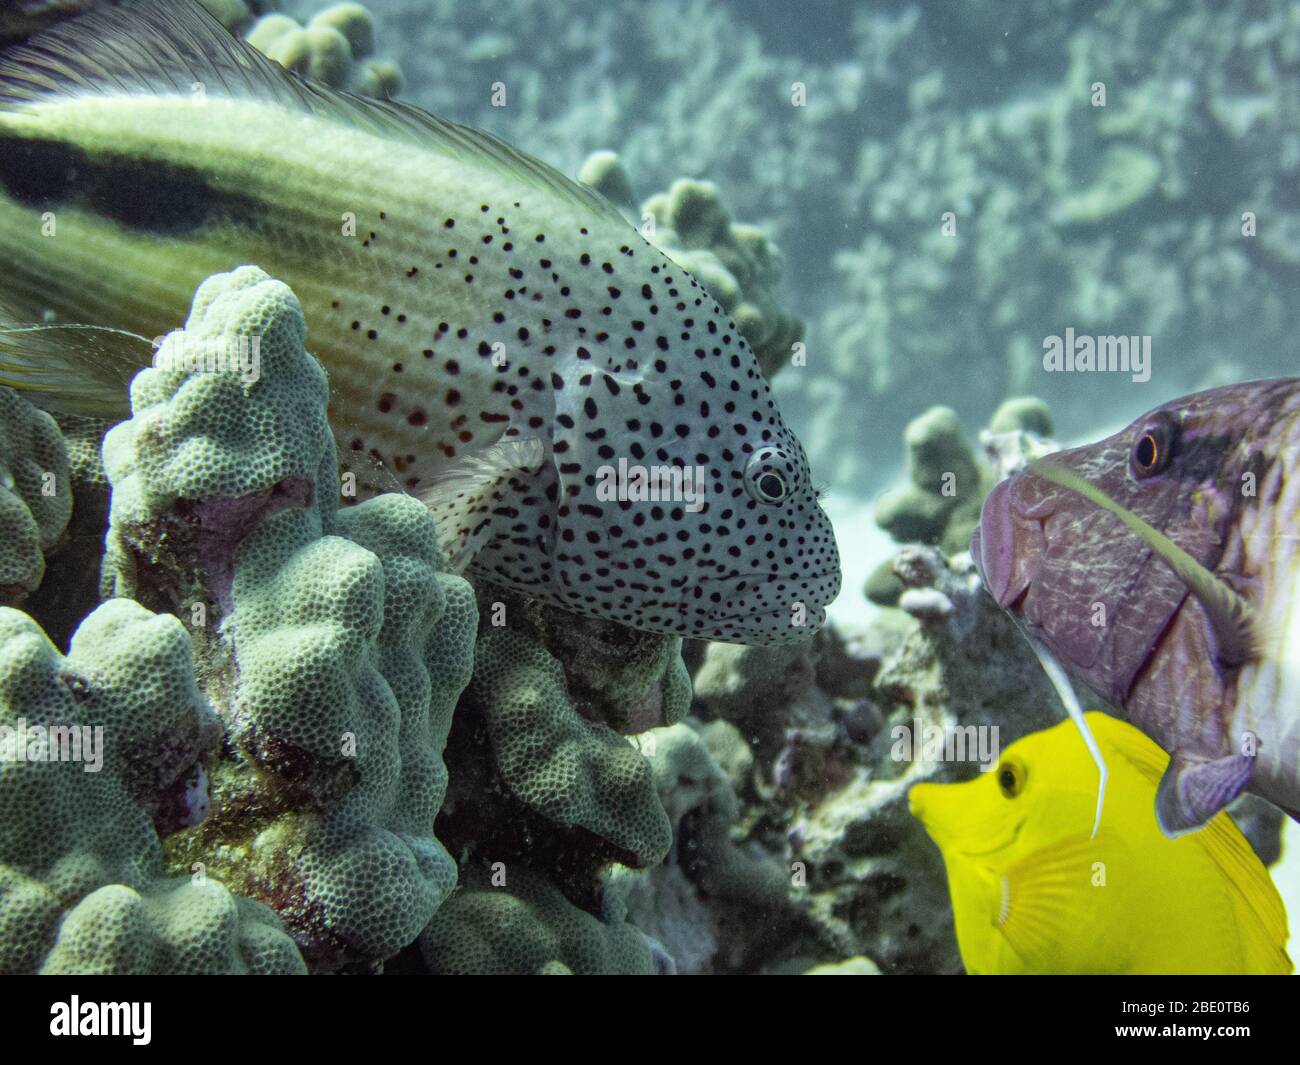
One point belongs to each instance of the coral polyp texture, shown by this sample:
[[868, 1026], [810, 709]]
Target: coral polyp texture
[[522, 925], [709, 878], [35, 495], [333, 643], [114, 738], [551, 701]]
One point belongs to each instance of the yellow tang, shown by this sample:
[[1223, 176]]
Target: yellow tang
[[1032, 893]]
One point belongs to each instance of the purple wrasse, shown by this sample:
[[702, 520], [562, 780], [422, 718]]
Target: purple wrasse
[[1159, 567]]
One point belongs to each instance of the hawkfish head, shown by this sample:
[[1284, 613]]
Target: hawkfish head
[[1124, 559], [694, 512]]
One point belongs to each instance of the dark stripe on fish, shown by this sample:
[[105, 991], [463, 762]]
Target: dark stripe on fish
[[152, 197]]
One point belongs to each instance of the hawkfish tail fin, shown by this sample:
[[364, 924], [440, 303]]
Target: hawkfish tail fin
[[1236, 629], [71, 368]]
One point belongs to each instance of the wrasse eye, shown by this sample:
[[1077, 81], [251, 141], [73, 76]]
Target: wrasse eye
[[1011, 779], [1146, 452], [1153, 446]]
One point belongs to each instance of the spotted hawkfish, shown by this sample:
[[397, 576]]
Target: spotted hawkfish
[[1159, 566], [499, 339]]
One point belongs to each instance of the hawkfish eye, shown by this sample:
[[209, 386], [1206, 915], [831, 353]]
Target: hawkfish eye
[[772, 487], [1011, 779], [1153, 446], [769, 475]]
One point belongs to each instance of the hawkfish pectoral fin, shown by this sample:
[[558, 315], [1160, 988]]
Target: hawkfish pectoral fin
[[1195, 788], [466, 495], [71, 368], [1237, 633]]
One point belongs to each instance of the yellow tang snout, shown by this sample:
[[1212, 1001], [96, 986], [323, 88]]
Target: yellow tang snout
[[976, 817]]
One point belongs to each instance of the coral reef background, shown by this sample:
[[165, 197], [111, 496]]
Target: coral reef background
[[338, 760]]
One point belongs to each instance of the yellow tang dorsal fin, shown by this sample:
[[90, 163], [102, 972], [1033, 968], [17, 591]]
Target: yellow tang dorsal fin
[[1265, 924]]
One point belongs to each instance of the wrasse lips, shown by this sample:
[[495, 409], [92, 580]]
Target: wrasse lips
[[1004, 549]]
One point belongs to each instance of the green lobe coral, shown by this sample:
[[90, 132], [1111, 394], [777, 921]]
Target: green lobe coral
[[544, 781], [527, 927], [947, 480], [35, 494], [941, 503], [573, 771], [333, 643], [335, 47], [82, 885]]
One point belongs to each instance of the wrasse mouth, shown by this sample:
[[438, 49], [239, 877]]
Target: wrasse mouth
[[1006, 546]]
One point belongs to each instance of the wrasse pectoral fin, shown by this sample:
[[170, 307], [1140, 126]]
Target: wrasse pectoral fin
[[1194, 789], [465, 495], [1232, 619]]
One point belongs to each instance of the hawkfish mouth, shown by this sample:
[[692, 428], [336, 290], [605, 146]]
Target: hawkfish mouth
[[754, 602], [814, 616]]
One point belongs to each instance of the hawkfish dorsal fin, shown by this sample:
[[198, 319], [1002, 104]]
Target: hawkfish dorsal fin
[[176, 48], [1233, 620], [465, 494], [1195, 788]]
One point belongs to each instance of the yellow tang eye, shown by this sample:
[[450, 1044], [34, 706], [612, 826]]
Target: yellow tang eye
[[1011, 779]]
